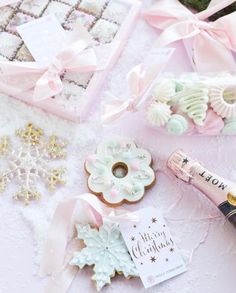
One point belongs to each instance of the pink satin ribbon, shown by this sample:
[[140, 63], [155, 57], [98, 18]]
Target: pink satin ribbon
[[44, 81], [139, 80], [59, 246], [212, 41]]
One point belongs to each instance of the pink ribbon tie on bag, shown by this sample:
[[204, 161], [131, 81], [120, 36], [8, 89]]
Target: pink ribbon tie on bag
[[139, 79], [55, 261], [212, 41], [137, 83]]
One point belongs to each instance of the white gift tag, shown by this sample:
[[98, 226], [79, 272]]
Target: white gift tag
[[44, 37], [152, 248]]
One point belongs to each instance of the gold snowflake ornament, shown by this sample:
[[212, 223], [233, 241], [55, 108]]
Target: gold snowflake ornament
[[30, 162], [30, 134], [4, 145]]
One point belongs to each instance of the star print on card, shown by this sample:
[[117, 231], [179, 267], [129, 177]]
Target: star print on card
[[152, 247], [30, 162]]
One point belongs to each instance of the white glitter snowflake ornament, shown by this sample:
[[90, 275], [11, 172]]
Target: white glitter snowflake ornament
[[30, 161], [106, 251]]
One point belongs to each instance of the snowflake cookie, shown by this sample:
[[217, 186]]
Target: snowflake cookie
[[106, 251], [30, 161], [119, 172]]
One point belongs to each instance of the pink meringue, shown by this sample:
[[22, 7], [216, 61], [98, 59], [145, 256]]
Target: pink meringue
[[212, 125]]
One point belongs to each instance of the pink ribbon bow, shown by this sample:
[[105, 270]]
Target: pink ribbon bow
[[59, 247], [77, 57], [139, 80], [42, 82], [212, 41]]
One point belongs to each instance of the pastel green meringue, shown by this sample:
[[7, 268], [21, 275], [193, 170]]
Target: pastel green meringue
[[230, 126], [177, 124]]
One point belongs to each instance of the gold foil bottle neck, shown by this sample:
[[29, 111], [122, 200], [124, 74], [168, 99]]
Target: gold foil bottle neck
[[231, 196]]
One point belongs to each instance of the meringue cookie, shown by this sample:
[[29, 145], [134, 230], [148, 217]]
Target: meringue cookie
[[177, 124], [218, 101], [178, 86], [230, 126], [158, 113], [194, 102], [163, 91], [212, 125]]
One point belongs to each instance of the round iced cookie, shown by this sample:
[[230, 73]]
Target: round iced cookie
[[177, 124], [119, 171], [230, 126]]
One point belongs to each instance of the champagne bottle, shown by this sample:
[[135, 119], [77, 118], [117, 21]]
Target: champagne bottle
[[220, 191]]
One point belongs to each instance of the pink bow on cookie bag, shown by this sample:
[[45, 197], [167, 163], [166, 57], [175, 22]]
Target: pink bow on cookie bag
[[61, 244], [212, 43], [139, 79]]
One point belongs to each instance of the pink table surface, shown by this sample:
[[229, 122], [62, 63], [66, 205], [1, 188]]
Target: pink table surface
[[206, 240]]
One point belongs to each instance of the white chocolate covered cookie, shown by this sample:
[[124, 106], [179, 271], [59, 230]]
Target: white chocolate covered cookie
[[119, 171]]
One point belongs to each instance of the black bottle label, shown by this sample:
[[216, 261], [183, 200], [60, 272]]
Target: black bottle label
[[229, 211]]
